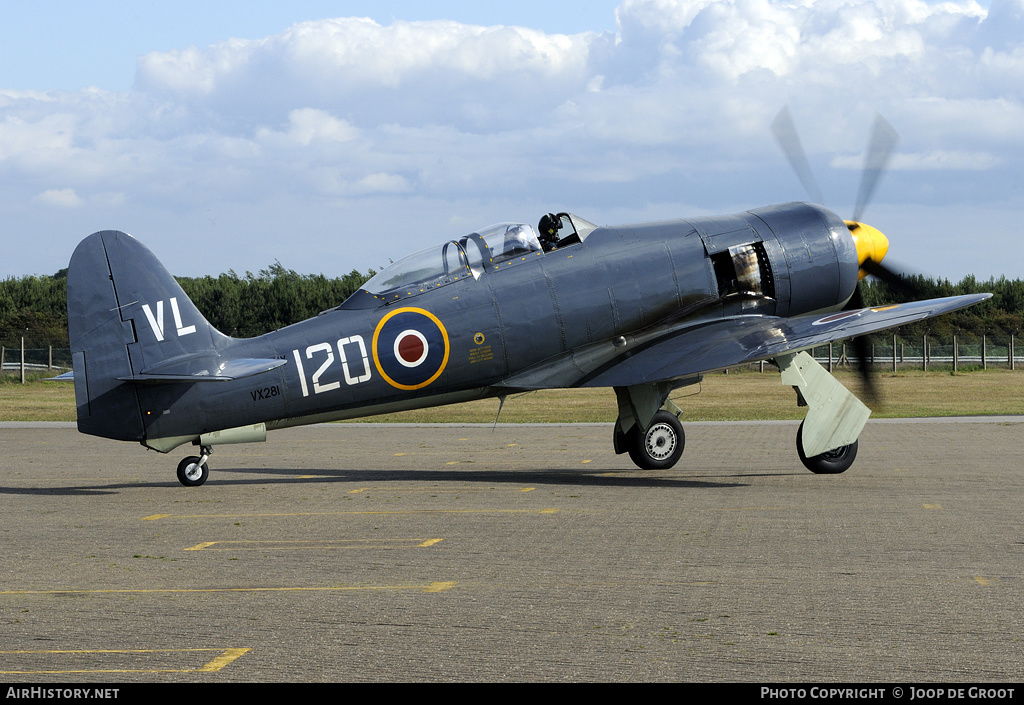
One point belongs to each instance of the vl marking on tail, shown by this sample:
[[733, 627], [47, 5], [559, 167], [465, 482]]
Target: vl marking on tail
[[157, 322]]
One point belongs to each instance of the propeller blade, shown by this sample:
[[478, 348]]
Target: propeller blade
[[902, 288], [788, 139], [884, 139], [862, 348], [900, 285]]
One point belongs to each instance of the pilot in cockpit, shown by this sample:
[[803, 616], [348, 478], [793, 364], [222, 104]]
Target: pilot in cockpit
[[548, 228], [518, 240]]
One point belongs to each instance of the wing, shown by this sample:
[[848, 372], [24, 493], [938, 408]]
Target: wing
[[696, 348]]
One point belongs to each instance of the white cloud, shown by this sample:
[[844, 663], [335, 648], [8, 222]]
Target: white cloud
[[192, 71], [60, 198], [382, 183], [36, 141], [444, 121], [939, 160], [308, 126], [662, 17], [419, 70]]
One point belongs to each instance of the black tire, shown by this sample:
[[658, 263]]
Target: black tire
[[659, 447], [830, 462], [190, 473]]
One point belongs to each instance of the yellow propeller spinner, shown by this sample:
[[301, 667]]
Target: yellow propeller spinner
[[870, 242]]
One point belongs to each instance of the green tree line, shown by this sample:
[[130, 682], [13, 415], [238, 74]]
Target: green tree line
[[998, 318], [241, 306], [253, 304]]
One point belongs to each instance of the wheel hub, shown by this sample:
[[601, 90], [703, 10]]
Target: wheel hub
[[835, 454], [660, 441]]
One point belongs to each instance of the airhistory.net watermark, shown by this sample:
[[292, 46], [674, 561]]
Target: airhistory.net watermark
[[63, 693]]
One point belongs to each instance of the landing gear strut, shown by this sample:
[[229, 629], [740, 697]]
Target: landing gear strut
[[648, 426], [193, 470]]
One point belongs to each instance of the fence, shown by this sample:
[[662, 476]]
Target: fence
[[925, 354], [955, 355], [48, 359]]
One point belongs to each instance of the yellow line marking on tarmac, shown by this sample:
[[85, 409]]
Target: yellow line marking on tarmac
[[933, 506], [431, 587], [321, 514], [985, 581], [748, 508], [586, 461], [432, 490], [306, 545], [105, 651], [223, 660], [154, 517], [226, 657]]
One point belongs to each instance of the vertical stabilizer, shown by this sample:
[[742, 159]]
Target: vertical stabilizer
[[126, 313]]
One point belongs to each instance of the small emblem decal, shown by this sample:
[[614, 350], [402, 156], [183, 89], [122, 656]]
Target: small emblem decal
[[836, 317]]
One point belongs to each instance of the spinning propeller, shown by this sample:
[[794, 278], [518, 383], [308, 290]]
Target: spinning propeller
[[871, 244]]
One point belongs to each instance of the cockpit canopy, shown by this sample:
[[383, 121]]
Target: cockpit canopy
[[491, 248], [466, 257]]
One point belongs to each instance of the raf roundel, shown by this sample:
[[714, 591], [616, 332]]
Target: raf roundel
[[410, 348]]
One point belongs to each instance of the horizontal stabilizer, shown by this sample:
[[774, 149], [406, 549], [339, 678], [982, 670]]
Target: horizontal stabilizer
[[203, 369]]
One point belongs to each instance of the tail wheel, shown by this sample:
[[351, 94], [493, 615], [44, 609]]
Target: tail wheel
[[191, 473], [831, 462], [659, 447]]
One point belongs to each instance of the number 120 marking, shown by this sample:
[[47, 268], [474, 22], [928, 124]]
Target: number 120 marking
[[327, 349]]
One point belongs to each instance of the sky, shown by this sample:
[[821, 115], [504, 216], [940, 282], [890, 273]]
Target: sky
[[331, 136]]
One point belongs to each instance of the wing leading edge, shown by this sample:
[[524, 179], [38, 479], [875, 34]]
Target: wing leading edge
[[694, 349]]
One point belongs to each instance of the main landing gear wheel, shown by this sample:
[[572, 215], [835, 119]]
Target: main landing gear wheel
[[830, 462], [191, 473], [660, 446]]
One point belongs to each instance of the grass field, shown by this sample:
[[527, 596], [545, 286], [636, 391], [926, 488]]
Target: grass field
[[743, 395]]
